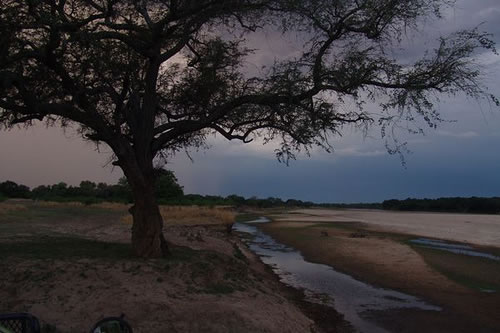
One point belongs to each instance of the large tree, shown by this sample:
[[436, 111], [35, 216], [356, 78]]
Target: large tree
[[151, 77]]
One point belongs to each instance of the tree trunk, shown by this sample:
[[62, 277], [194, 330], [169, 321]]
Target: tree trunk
[[147, 229], [147, 236]]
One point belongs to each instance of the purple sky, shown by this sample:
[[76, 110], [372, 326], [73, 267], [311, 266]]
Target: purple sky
[[460, 158]]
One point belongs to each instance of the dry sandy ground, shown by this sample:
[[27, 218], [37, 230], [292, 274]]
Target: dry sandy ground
[[73, 295], [384, 260], [468, 228], [211, 283]]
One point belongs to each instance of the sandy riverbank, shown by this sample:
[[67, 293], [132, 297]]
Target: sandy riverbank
[[378, 254], [478, 229], [70, 266]]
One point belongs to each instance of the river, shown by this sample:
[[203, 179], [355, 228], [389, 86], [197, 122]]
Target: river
[[323, 284]]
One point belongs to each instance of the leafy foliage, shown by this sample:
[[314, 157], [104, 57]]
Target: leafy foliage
[[13, 190], [142, 96], [167, 186]]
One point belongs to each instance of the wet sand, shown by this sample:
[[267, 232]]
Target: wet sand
[[374, 250]]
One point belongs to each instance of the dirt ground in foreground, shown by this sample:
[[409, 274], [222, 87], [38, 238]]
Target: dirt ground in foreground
[[384, 260], [71, 267]]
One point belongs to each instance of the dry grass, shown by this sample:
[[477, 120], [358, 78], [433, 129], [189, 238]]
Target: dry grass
[[172, 215], [8, 207], [56, 204], [103, 205], [196, 215], [112, 205], [192, 215]]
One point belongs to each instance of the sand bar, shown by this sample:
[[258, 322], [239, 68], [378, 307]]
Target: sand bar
[[470, 228]]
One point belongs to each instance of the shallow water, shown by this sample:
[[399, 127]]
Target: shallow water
[[452, 247], [322, 284]]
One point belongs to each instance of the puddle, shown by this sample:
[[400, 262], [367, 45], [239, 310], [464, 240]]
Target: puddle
[[452, 247], [489, 291], [322, 284], [259, 220]]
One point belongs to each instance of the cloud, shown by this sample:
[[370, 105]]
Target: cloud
[[222, 147], [488, 59], [418, 141], [354, 151], [468, 134]]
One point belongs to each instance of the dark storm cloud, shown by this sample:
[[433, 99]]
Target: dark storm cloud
[[439, 172]]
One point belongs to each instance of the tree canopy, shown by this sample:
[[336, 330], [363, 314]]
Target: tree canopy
[[152, 77], [167, 189]]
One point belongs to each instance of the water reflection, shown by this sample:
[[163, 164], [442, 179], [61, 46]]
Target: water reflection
[[322, 284], [452, 247]]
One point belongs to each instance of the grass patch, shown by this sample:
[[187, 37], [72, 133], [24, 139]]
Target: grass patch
[[43, 212], [219, 289], [183, 254], [49, 247], [37, 218], [238, 254], [471, 272], [285, 234], [210, 272], [245, 217]]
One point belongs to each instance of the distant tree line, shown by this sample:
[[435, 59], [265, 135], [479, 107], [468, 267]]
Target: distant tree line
[[87, 192], [360, 205], [9, 189], [237, 201], [169, 192], [167, 188], [456, 204]]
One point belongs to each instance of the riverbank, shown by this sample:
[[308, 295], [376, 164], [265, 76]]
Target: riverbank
[[70, 266], [386, 259]]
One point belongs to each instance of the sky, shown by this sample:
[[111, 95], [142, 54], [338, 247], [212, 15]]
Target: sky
[[459, 158]]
